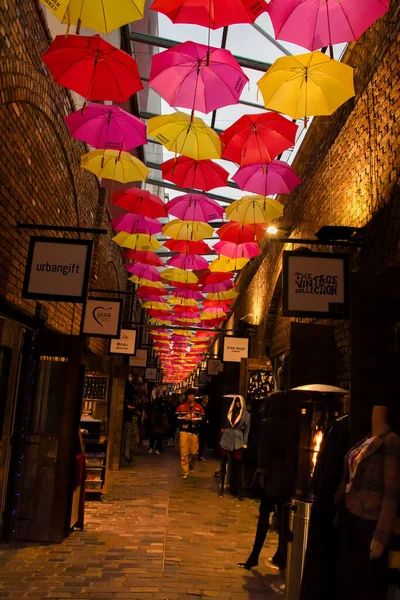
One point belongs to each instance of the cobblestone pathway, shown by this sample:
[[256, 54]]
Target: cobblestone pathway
[[154, 536]]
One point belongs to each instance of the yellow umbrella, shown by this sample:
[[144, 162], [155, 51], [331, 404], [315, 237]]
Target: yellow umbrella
[[179, 275], [254, 209], [186, 332], [224, 264], [187, 230], [141, 281], [100, 15], [209, 316], [136, 241], [307, 84], [182, 301], [159, 333], [228, 295], [157, 305], [185, 321], [185, 135], [160, 322], [112, 164]]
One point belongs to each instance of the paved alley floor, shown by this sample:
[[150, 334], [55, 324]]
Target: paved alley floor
[[154, 535]]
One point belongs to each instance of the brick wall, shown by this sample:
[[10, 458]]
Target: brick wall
[[40, 176], [349, 164]]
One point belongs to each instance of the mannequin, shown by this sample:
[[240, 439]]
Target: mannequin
[[367, 501], [234, 441]]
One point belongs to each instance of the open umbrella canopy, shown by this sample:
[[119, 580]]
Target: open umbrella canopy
[[241, 234], [187, 247], [93, 68], [145, 272], [202, 175], [199, 77], [140, 202], [159, 314], [182, 301], [211, 13], [222, 304], [157, 306], [207, 316], [228, 295], [131, 223], [147, 258], [99, 15], [136, 241], [249, 250], [182, 134], [224, 263], [306, 85], [194, 262], [190, 294], [323, 22], [254, 209], [276, 177], [208, 277], [144, 290], [111, 164], [146, 282], [187, 230], [175, 275], [150, 297], [258, 138], [195, 207], [108, 127], [222, 286]]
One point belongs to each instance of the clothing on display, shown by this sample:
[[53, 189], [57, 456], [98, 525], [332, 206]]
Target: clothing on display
[[233, 440]]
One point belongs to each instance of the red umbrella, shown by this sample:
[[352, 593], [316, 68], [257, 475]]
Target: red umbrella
[[258, 138], [209, 277], [158, 314], [224, 304], [145, 257], [93, 68], [211, 13], [248, 250], [187, 246], [202, 175], [140, 202], [241, 234], [146, 289]]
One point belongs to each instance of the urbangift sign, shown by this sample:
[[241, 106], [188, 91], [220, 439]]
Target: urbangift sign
[[57, 269], [315, 285], [235, 349], [102, 317], [125, 344]]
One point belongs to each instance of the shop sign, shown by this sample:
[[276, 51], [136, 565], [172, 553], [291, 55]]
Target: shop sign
[[125, 344], [102, 317], [151, 374], [214, 366], [57, 269], [315, 285], [140, 358], [203, 376], [235, 349]]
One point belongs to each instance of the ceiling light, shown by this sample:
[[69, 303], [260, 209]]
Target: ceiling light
[[272, 230]]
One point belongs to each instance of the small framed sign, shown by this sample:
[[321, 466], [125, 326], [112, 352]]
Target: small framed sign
[[315, 284], [125, 344], [57, 269], [140, 358], [235, 349], [151, 374], [214, 366], [101, 317]]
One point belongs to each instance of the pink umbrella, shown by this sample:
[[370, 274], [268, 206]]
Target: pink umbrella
[[189, 294], [104, 126], [145, 271], [223, 286], [247, 250], [187, 315], [150, 298], [131, 224], [323, 22], [194, 262], [195, 207], [276, 177], [194, 76]]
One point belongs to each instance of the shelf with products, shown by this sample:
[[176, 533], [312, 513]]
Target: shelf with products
[[96, 467]]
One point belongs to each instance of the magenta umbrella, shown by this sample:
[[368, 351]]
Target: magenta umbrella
[[222, 286], [110, 127], [315, 24], [145, 272], [193, 262], [195, 207], [151, 298], [187, 315], [276, 177], [131, 224], [188, 294], [195, 76], [248, 250]]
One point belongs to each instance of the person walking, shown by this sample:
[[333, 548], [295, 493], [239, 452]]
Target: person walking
[[204, 428], [189, 414], [159, 426]]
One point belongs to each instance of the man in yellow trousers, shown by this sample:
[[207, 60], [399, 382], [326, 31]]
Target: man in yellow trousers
[[189, 414]]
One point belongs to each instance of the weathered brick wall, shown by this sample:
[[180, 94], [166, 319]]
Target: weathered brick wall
[[349, 164], [40, 176]]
